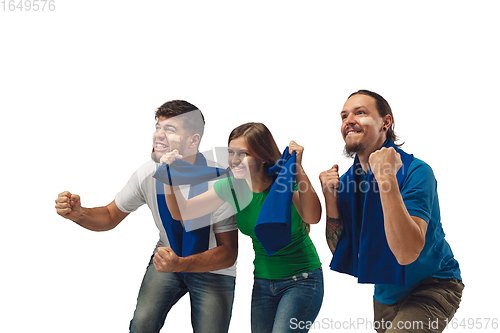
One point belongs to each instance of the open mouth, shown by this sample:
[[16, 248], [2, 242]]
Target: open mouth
[[160, 146], [352, 131], [238, 168]]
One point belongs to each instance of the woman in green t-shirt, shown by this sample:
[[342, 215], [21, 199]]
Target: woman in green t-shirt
[[288, 285]]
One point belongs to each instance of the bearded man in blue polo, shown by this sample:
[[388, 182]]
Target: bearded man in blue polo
[[384, 226]]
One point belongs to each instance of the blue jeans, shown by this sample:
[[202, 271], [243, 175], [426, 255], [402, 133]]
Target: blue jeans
[[286, 305], [211, 296]]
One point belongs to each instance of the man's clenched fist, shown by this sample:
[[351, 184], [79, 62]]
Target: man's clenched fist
[[385, 162], [170, 157], [165, 260], [68, 205], [330, 181]]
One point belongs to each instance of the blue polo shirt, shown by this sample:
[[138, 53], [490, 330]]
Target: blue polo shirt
[[419, 193]]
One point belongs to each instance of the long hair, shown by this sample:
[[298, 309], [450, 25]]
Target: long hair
[[260, 141], [383, 109]]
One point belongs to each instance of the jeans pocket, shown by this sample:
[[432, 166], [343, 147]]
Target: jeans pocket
[[303, 276], [312, 275], [312, 280]]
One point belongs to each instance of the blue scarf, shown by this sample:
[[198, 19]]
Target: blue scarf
[[191, 239], [183, 173], [365, 235], [273, 227]]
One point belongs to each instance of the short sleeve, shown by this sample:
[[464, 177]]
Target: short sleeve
[[224, 219], [235, 192], [222, 189], [132, 195], [419, 190]]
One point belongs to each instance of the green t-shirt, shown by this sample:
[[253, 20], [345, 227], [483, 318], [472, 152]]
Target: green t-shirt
[[298, 257]]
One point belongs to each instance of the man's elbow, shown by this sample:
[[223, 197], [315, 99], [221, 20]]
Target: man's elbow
[[407, 259], [230, 258], [409, 256], [232, 261], [176, 216]]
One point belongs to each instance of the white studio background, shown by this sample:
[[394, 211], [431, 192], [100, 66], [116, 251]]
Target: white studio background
[[79, 86]]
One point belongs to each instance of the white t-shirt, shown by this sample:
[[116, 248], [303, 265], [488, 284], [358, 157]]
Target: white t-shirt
[[141, 189]]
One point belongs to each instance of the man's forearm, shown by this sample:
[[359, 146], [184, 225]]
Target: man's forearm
[[95, 219], [405, 236], [334, 225], [332, 209], [219, 257], [100, 218], [334, 229]]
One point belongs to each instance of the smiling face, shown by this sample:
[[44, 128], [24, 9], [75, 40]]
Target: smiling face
[[242, 162], [362, 126], [169, 135]]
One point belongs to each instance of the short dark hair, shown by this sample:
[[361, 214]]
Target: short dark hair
[[383, 109], [260, 140], [194, 122]]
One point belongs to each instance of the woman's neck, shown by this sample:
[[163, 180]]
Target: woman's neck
[[259, 182]]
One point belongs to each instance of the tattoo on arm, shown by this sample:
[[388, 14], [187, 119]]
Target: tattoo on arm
[[333, 231]]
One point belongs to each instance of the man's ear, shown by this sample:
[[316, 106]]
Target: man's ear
[[195, 140], [387, 121]]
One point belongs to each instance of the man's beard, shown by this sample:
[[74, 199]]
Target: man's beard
[[353, 149], [155, 156]]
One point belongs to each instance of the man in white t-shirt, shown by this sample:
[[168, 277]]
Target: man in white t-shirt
[[201, 260]]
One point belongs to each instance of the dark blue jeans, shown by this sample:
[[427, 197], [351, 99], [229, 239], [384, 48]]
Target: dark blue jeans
[[286, 305], [211, 297]]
